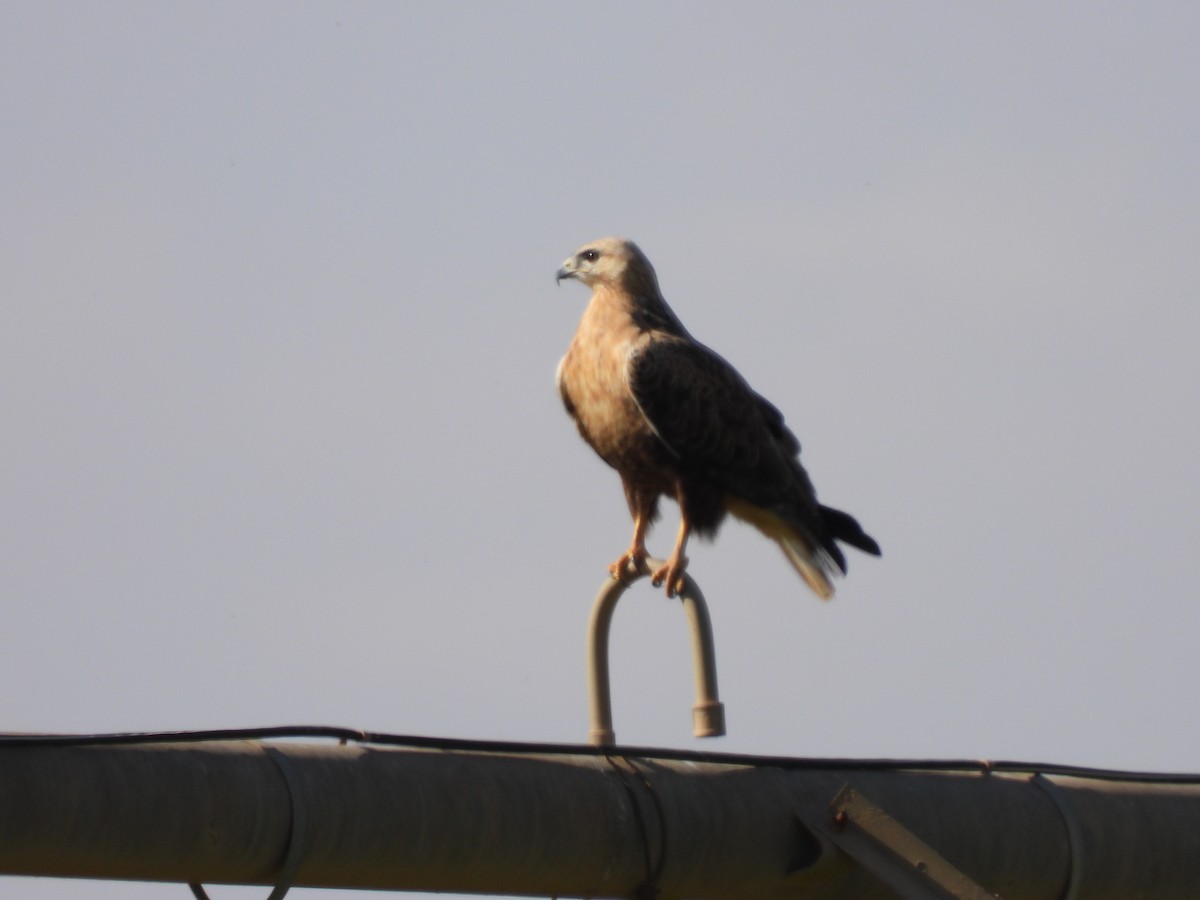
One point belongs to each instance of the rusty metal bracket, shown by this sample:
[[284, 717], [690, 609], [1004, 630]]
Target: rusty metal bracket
[[893, 854]]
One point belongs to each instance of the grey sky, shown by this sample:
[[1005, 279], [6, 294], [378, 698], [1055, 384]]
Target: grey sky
[[281, 442]]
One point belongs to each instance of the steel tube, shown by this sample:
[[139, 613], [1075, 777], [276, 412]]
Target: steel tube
[[565, 825]]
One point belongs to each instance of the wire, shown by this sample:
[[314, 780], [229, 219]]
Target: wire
[[467, 745]]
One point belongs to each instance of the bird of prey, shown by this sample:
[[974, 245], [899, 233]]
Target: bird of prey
[[674, 418]]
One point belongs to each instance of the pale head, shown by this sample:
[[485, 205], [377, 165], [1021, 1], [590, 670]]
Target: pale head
[[608, 261]]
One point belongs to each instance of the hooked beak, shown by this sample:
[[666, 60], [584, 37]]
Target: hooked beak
[[562, 273]]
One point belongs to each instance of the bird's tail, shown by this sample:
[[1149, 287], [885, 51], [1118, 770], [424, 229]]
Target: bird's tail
[[845, 528], [813, 565], [808, 558], [814, 561]]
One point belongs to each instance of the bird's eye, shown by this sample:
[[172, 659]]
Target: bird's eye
[[590, 255]]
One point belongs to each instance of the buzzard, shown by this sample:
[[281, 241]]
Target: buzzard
[[674, 418]]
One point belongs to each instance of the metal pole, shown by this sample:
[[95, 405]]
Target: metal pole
[[708, 713], [580, 825]]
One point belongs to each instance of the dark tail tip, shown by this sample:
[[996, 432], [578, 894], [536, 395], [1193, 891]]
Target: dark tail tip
[[845, 528]]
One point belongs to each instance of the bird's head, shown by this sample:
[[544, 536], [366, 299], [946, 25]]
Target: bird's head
[[607, 261]]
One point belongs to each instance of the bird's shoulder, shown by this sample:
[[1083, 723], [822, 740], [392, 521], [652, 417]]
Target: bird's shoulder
[[673, 362], [682, 385]]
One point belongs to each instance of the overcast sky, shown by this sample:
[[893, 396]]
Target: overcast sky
[[281, 442]]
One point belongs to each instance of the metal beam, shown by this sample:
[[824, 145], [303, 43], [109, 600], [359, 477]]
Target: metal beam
[[896, 856], [566, 824]]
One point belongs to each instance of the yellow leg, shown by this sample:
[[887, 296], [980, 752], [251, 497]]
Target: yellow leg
[[672, 572], [632, 559]]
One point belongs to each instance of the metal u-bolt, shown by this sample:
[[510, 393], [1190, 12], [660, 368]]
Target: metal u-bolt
[[708, 714]]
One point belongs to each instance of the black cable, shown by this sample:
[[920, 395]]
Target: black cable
[[356, 736]]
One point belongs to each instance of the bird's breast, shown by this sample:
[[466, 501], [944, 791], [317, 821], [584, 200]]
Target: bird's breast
[[592, 379]]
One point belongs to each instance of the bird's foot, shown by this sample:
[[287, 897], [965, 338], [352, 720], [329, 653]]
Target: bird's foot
[[671, 575], [628, 564]]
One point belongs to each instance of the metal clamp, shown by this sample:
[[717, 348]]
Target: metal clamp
[[1074, 834], [291, 861]]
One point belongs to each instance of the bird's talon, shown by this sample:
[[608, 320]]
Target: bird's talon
[[626, 567], [671, 575]]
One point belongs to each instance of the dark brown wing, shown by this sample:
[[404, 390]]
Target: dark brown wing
[[718, 428]]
